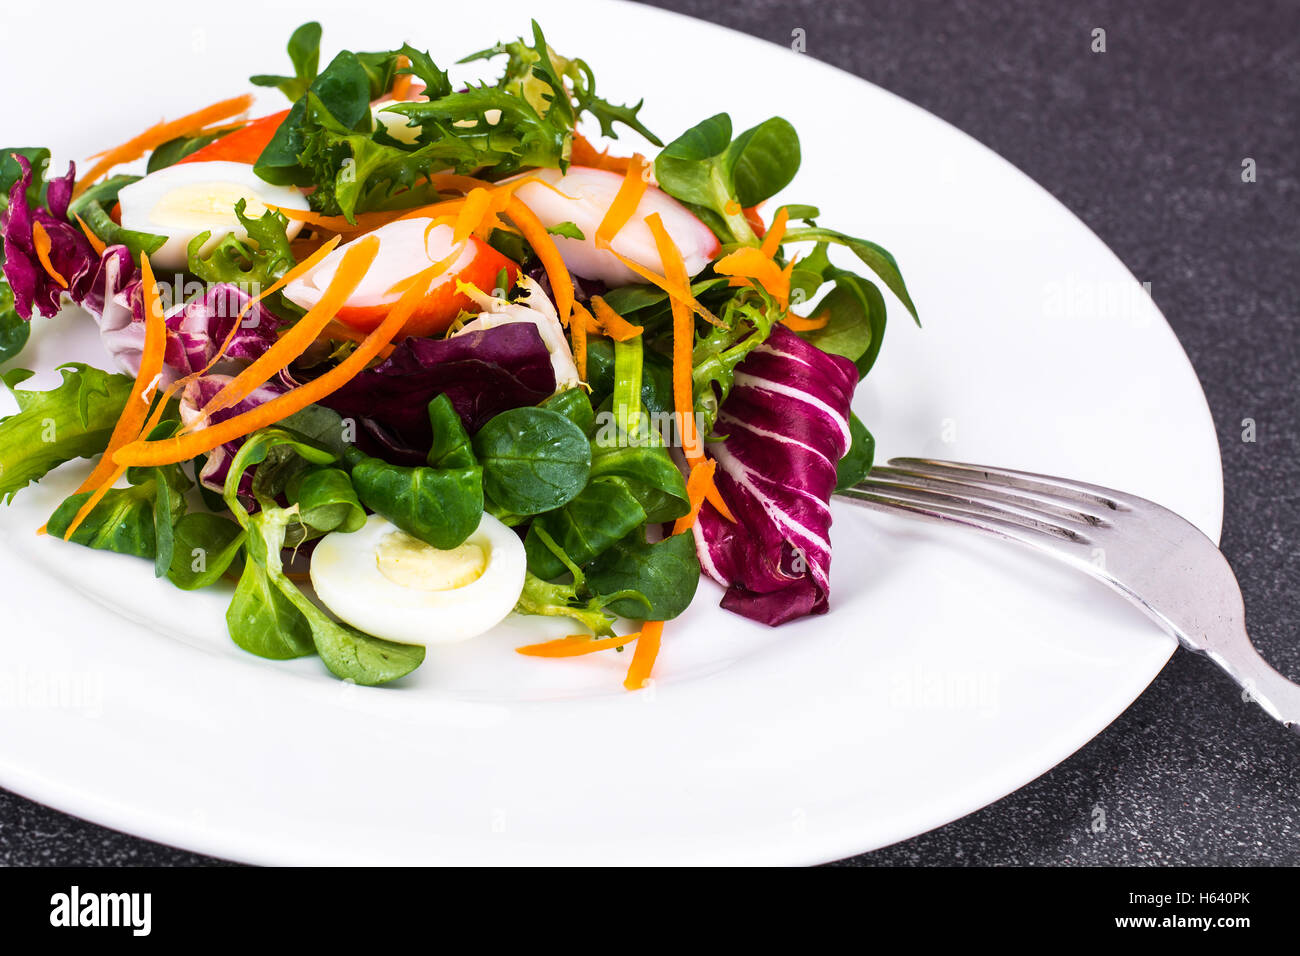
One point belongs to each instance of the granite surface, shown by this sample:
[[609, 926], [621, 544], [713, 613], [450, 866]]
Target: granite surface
[[1145, 142]]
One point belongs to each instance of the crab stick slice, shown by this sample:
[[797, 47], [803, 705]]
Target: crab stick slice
[[407, 248], [583, 196]]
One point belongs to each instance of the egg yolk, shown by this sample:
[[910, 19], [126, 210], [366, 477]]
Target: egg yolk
[[205, 202], [411, 563]]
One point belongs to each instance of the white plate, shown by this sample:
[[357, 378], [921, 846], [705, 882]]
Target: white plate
[[949, 672]]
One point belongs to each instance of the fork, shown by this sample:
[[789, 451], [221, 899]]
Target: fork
[[1156, 559]]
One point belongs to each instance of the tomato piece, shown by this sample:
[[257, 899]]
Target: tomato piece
[[243, 145]]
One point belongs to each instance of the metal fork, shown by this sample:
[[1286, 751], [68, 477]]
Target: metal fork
[[1153, 557]]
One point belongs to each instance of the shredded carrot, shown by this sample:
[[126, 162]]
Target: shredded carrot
[[535, 233], [402, 81], [678, 292], [161, 133], [161, 405], [444, 207], [166, 451], [41, 240], [750, 263], [625, 203], [588, 320], [614, 325], [772, 239], [732, 208], [683, 347], [683, 342], [697, 486], [96, 243], [303, 333], [578, 328], [584, 154], [457, 183], [575, 645], [136, 410], [798, 323], [366, 221], [643, 658], [478, 205]]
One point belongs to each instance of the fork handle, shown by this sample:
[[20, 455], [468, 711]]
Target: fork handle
[[1277, 694]]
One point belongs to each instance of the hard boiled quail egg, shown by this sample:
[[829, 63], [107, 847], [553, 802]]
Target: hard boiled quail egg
[[183, 201], [387, 583]]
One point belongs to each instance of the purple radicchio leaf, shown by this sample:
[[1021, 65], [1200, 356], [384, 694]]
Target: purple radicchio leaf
[[786, 423], [195, 330], [482, 373], [71, 255]]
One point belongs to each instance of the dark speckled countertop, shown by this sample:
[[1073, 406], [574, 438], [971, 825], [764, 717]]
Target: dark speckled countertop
[[1145, 143]]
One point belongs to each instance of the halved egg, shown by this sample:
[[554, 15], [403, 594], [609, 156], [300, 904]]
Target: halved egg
[[583, 195], [407, 247], [185, 200], [387, 583]]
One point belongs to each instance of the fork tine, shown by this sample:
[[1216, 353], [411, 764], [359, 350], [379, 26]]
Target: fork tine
[[1067, 489], [949, 504], [980, 492], [1006, 528]]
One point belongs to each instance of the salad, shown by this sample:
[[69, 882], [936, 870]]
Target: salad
[[415, 354]]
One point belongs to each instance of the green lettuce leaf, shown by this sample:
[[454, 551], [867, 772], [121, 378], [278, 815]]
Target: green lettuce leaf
[[73, 420]]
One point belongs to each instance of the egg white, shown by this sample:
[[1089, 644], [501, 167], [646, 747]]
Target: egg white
[[346, 575], [405, 248], [171, 202]]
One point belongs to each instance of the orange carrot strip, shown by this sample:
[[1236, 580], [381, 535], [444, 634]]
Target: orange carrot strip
[[680, 293], [136, 410], [774, 235], [683, 346], [578, 328], [303, 333], [158, 134], [683, 343], [799, 323], [457, 183], [750, 263], [714, 497], [697, 486], [166, 451], [643, 659], [366, 221], [616, 327], [575, 646], [501, 194], [625, 201], [478, 205], [41, 240], [96, 243], [535, 233], [401, 89], [584, 154]]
